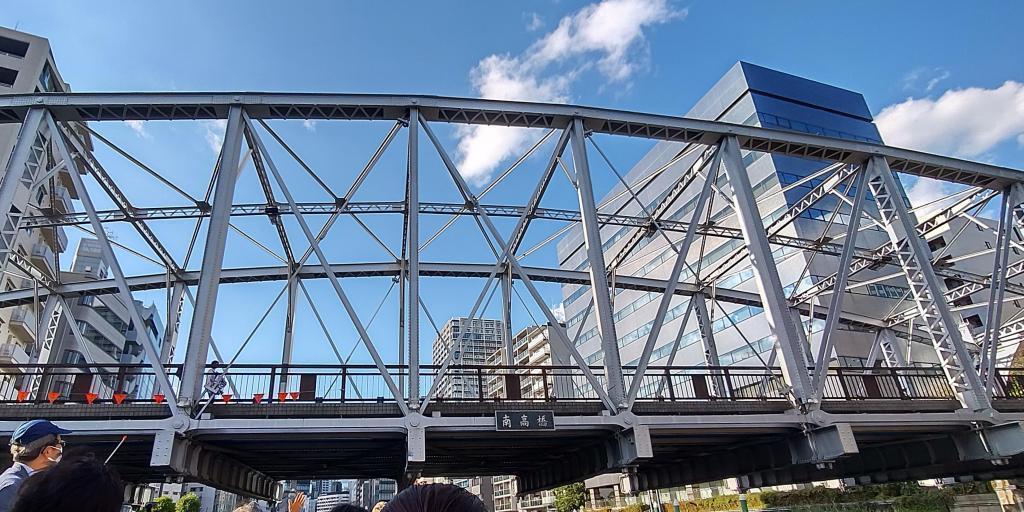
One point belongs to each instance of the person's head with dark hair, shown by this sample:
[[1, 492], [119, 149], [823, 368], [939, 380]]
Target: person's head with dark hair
[[78, 482], [348, 507], [435, 498]]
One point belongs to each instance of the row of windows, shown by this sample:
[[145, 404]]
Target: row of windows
[[748, 158], [776, 121], [693, 336], [746, 352], [98, 339], [727, 282], [887, 291], [13, 47]]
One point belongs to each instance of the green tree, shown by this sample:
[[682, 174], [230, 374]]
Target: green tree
[[570, 498], [188, 503], [163, 504]]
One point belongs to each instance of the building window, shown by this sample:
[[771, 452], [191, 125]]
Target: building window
[[13, 47], [72, 357], [48, 79], [7, 77]]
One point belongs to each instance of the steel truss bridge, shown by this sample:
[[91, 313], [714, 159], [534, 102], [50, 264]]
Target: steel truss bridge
[[793, 419]]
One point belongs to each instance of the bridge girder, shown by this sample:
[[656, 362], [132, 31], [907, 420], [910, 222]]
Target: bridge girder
[[626, 445]]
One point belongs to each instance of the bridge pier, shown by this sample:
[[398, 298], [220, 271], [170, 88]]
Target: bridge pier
[[196, 461], [416, 451], [996, 443], [823, 445]]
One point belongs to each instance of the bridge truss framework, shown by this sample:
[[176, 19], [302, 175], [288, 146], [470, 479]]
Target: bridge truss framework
[[819, 442]]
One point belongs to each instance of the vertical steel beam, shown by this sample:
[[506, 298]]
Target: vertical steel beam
[[773, 297], [124, 291], [506, 314], [173, 327], [213, 260], [50, 316], [890, 348], [289, 324], [401, 326], [835, 306], [598, 277], [412, 212], [21, 171], [1012, 198], [913, 255], [707, 339]]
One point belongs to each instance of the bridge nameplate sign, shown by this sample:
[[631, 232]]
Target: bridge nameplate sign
[[524, 420]]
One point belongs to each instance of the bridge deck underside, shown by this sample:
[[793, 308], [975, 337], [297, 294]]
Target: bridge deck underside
[[688, 448]]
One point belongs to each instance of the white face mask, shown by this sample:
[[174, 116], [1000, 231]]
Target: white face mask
[[59, 456]]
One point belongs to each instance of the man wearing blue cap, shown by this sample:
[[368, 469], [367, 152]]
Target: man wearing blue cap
[[36, 445]]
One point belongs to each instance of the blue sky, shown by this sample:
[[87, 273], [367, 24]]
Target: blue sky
[[940, 73]]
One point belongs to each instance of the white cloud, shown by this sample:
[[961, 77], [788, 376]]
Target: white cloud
[[912, 81], [933, 81], [533, 21], [309, 124], [139, 128], [926, 195], [213, 131], [610, 32], [961, 122]]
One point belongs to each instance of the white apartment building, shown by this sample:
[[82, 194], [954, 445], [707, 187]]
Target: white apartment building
[[27, 66], [470, 343], [107, 334]]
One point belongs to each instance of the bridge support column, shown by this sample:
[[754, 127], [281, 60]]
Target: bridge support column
[[912, 254], [769, 285], [193, 460], [416, 451], [991, 442], [823, 445], [213, 260], [598, 277], [629, 447]]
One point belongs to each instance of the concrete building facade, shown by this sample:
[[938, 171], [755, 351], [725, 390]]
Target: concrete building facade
[[27, 66], [367, 493], [470, 342], [108, 335]]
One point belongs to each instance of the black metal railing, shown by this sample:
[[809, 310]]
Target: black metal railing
[[268, 384], [1009, 384], [911, 383], [85, 383]]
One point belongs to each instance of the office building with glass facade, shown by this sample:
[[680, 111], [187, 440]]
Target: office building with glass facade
[[757, 96]]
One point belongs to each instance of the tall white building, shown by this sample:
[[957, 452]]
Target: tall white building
[[108, 335], [470, 343], [325, 502], [368, 492], [27, 66]]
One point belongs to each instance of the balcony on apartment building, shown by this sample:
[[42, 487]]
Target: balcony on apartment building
[[23, 324], [43, 258], [57, 202], [12, 354], [55, 238]]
